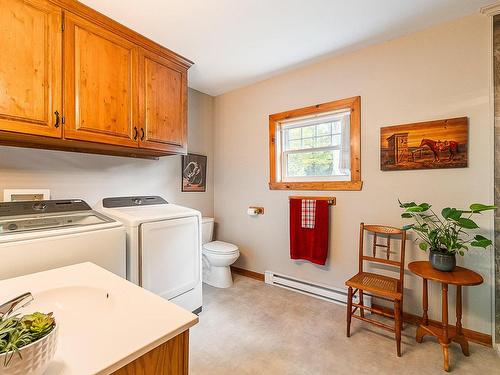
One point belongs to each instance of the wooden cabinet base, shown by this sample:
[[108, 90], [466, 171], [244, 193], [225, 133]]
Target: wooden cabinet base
[[170, 358], [33, 141]]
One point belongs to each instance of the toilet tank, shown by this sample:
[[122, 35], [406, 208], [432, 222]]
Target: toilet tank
[[207, 229]]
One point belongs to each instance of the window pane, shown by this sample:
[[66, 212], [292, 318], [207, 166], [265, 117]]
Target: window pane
[[308, 131], [337, 140], [324, 129], [304, 164], [336, 163], [324, 141], [294, 144], [308, 143], [336, 127], [294, 133]]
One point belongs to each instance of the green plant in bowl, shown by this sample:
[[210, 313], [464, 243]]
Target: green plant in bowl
[[447, 234], [18, 331]]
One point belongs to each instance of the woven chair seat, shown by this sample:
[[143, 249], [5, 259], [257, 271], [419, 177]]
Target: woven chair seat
[[377, 284]]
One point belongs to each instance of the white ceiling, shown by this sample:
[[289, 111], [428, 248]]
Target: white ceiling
[[235, 43]]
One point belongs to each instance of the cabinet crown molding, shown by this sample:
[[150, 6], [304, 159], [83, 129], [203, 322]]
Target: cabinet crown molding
[[102, 20], [490, 10]]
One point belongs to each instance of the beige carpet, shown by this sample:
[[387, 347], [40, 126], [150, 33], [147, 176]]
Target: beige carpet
[[254, 328]]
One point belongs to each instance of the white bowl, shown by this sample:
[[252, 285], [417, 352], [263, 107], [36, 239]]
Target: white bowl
[[35, 359]]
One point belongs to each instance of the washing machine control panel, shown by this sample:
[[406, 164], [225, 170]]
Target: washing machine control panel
[[16, 217]]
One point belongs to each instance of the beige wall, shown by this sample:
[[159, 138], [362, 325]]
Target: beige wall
[[92, 177], [438, 73]]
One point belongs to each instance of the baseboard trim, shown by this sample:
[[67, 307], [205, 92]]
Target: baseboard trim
[[247, 273], [473, 336]]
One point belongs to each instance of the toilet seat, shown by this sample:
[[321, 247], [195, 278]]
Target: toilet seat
[[220, 247]]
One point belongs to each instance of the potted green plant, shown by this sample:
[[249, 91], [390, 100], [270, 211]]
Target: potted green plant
[[446, 235], [27, 343]]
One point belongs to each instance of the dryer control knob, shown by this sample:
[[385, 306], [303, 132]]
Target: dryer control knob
[[39, 206]]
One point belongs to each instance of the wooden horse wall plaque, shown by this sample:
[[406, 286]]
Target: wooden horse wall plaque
[[425, 145]]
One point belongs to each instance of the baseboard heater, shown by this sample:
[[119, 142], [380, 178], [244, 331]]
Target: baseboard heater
[[324, 292]]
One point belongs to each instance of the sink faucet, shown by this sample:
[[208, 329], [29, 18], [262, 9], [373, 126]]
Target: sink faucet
[[20, 301]]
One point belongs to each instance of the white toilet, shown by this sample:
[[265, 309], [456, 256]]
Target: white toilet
[[217, 257]]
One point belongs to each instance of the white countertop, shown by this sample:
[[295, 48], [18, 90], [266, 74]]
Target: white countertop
[[104, 321]]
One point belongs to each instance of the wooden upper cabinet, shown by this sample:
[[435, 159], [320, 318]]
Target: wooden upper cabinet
[[74, 79], [101, 74], [30, 67], [162, 103]]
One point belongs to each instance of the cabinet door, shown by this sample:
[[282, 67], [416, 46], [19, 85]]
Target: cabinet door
[[163, 104], [30, 67], [100, 83]]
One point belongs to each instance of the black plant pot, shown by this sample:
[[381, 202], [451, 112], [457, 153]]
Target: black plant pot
[[441, 261]]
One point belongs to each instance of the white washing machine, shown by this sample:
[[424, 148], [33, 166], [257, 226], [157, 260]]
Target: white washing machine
[[40, 235], [163, 247]]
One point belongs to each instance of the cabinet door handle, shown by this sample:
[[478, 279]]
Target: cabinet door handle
[[142, 134], [56, 125], [136, 133]]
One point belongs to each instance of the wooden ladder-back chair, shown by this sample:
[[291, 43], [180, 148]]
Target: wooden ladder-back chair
[[385, 287]]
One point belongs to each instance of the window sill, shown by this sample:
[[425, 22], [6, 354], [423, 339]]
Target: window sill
[[319, 185]]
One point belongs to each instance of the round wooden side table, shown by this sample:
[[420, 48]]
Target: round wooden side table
[[459, 277]]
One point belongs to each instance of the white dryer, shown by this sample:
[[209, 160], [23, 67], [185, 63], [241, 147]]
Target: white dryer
[[40, 235], [163, 247]]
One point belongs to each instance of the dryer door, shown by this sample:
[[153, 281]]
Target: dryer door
[[170, 256]]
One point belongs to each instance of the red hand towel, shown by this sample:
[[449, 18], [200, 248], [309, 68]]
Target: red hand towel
[[305, 243]]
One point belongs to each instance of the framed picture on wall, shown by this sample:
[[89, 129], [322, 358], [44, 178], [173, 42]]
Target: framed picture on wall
[[425, 145], [194, 173]]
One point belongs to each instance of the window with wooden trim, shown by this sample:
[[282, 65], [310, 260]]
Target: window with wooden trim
[[317, 147]]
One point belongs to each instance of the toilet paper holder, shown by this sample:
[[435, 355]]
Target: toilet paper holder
[[252, 210]]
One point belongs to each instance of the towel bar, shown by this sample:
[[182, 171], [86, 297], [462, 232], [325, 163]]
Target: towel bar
[[331, 200]]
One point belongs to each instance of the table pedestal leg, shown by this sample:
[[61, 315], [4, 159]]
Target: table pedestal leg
[[446, 357], [445, 340], [425, 319], [459, 335]]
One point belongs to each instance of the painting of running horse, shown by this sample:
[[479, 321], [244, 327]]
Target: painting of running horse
[[425, 145]]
